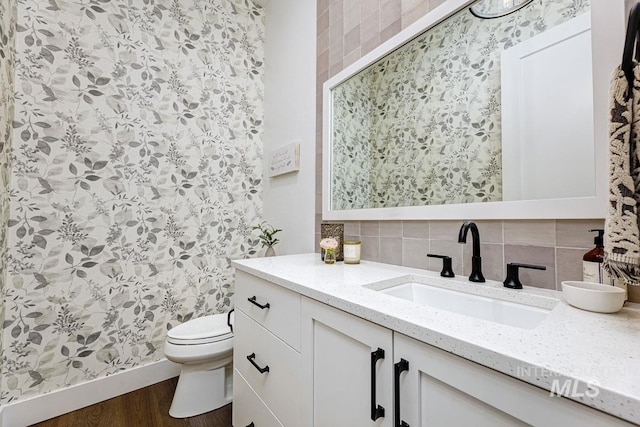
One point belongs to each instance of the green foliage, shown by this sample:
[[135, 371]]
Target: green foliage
[[267, 233]]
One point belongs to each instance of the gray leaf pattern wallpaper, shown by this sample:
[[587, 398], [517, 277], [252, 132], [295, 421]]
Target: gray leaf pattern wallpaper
[[422, 126], [136, 175], [7, 61]]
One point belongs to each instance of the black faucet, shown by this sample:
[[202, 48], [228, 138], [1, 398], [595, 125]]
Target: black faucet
[[476, 260]]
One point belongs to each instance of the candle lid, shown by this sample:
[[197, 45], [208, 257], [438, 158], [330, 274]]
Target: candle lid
[[352, 242]]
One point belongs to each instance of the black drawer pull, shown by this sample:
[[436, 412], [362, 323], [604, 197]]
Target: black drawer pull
[[377, 411], [253, 301], [251, 425], [398, 369], [251, 358]]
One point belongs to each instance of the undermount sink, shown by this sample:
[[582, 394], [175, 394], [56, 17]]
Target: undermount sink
[[468, 304]]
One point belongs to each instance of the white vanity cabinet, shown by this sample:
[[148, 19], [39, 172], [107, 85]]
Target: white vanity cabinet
[[266, 356], [330, 368], [347, 367], [436, 388], [424, 386]]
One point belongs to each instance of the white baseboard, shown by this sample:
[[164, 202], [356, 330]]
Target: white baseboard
[[50, 405]]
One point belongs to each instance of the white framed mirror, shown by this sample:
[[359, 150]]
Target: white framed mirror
[[595, 34]]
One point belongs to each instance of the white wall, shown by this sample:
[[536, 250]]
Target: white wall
[[290, 74]]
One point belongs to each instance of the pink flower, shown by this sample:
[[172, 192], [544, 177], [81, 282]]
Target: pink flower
[[329, 243]]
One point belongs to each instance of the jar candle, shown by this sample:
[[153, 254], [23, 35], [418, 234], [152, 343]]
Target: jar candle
[[352, 252]]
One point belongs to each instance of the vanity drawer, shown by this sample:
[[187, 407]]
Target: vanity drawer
[[281, 316], [248, 408], [279, 387]]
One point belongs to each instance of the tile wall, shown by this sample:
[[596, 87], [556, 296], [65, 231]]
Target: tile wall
[[347, 30]]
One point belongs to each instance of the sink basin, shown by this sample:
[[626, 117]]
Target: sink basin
[[481, 307]]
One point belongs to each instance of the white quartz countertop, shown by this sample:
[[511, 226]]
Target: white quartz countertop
[[600, 351]]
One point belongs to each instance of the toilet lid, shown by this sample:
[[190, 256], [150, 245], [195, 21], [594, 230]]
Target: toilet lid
[[202, 330]]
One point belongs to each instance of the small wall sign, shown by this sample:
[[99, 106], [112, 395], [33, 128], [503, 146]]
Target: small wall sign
[[284, 159]]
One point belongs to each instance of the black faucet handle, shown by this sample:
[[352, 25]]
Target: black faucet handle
[[512, 281], [447, 270]]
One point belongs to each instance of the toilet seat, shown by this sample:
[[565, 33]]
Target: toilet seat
[[203, 330]]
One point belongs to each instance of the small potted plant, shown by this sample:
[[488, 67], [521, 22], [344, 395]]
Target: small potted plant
[[329, 245], [267, 237]]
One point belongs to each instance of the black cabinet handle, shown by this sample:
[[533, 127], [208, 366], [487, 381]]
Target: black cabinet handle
[[251, 358], [398, 368], [251, 425], [377, 411], [253, 301]]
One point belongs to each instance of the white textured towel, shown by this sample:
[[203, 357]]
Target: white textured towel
[[622, 232]]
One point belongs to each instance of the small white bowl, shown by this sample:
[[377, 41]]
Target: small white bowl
[[593, 296]]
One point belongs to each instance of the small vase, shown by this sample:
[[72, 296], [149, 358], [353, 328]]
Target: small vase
[[269, 251], [329, 256], [337, 232]]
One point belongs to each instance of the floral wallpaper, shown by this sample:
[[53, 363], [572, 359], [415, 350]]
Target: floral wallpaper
[[136, 176], [351, 143], [7, 58], [433, 114]]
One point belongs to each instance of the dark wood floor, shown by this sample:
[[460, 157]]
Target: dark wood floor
[[141, 408]]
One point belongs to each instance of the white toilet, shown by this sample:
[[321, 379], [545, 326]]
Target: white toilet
[[204, 347]]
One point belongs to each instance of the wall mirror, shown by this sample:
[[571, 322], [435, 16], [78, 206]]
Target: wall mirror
[[463, 117]]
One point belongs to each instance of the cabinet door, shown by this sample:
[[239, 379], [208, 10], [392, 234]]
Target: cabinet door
[[442, 389], [347, 363]]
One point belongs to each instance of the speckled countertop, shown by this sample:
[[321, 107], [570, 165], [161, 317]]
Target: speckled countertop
[[594, 349]]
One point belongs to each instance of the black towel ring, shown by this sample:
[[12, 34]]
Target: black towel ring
[[630, 42]]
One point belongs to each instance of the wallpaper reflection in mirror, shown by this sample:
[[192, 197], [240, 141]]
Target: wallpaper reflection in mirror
[[422, 125]]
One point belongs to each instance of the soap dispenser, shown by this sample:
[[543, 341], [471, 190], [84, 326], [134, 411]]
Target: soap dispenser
[[592, 261], [592, 270]]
